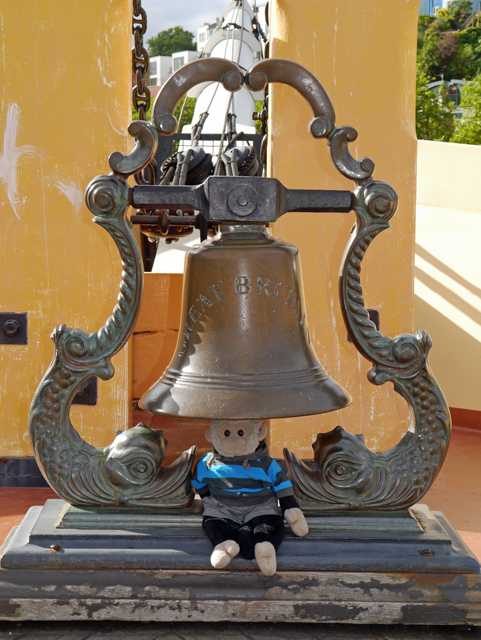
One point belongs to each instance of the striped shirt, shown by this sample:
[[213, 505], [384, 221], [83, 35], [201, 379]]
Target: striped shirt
[[231, 480]]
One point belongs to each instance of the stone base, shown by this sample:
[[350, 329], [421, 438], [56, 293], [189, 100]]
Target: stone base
[[414, 571]]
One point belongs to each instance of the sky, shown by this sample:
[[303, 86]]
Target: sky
[[189, 14]]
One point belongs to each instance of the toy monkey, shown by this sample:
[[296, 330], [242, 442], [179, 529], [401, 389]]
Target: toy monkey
[[245, 495]]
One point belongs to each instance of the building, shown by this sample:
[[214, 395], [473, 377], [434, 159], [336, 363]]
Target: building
[[452, 90], [160, 70], [162, 67], [431, 7], [205, 31], [426, 8], [179, 58]]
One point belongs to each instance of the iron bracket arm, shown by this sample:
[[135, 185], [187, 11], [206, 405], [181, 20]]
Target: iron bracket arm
[[237, 199]]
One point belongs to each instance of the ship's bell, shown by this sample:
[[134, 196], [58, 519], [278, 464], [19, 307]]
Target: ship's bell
[[244, 349]]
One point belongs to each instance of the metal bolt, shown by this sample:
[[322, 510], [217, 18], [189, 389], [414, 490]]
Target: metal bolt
[[242, 200], [55, 547], [102, 200], [10, 328]]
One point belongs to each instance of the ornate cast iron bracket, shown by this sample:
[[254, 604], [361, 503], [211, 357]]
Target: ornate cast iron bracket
[[128, 473], [348, 475]]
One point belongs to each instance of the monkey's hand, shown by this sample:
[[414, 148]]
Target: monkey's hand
[[296, 521]]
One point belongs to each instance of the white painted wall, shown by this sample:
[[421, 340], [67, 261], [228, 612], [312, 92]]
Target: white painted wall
[[160, 70], [448, 266]]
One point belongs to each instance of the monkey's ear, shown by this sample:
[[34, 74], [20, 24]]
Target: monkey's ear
[[209, 433], [261, 431]]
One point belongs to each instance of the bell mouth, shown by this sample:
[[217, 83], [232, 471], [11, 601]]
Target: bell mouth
[[245, 397]]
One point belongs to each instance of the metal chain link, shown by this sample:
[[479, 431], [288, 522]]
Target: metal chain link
[[140, 61], [141, 92], [141, 102]]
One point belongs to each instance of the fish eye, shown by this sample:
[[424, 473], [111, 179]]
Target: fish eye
[[227, 433], [240, 433]]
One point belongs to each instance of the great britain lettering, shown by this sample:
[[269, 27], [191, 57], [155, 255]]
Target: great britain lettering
[[243, 285]]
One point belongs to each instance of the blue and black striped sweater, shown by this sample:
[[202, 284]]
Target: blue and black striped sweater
[[245, 480]]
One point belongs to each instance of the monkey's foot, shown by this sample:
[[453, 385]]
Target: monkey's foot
[[266, 558], [296, 521], [223, 554]]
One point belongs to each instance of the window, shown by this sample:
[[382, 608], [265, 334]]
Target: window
[[178, 62], [153, 67], [153, 82], [202, 37]]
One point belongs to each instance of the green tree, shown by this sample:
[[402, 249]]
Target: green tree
[[468, 128], [186, 116], [434, 115], [429, 61], [468, 57], [170, 41], [463, 65], [448, 47], [444, 48], [443, 20], [459, 11]]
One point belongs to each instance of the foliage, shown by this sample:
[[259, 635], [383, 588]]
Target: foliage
[[434, 114], [186, 117], [448, 46], [428, 57], [444, 49], [259, 107], [442, 21], [188, 111], [447, 51], [424, 22], [459, 11], [468, 128], [170, 41]]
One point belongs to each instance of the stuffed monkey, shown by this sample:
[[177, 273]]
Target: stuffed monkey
[[245, 495]]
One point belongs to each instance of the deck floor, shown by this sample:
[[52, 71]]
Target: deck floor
[[223, 631]]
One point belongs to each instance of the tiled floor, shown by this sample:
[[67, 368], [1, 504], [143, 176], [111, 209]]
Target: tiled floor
[[457, 490], [14, 503]]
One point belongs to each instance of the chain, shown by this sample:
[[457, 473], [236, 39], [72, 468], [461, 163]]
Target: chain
[[141, 92], [140, 61], [141, 102]]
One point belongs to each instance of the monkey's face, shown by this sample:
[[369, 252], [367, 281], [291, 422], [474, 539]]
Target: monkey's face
[[236, 437]]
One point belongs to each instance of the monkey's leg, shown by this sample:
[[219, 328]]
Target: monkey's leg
[[268, 533], [222, 533]]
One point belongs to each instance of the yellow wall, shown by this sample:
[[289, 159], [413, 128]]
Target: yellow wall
[[448, 269], [364, 53], [65, 106]]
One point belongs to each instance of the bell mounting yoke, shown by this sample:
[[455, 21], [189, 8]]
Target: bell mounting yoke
[[228, 199]]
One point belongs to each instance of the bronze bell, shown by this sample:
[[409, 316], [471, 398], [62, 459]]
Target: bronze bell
[[244, 349]]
